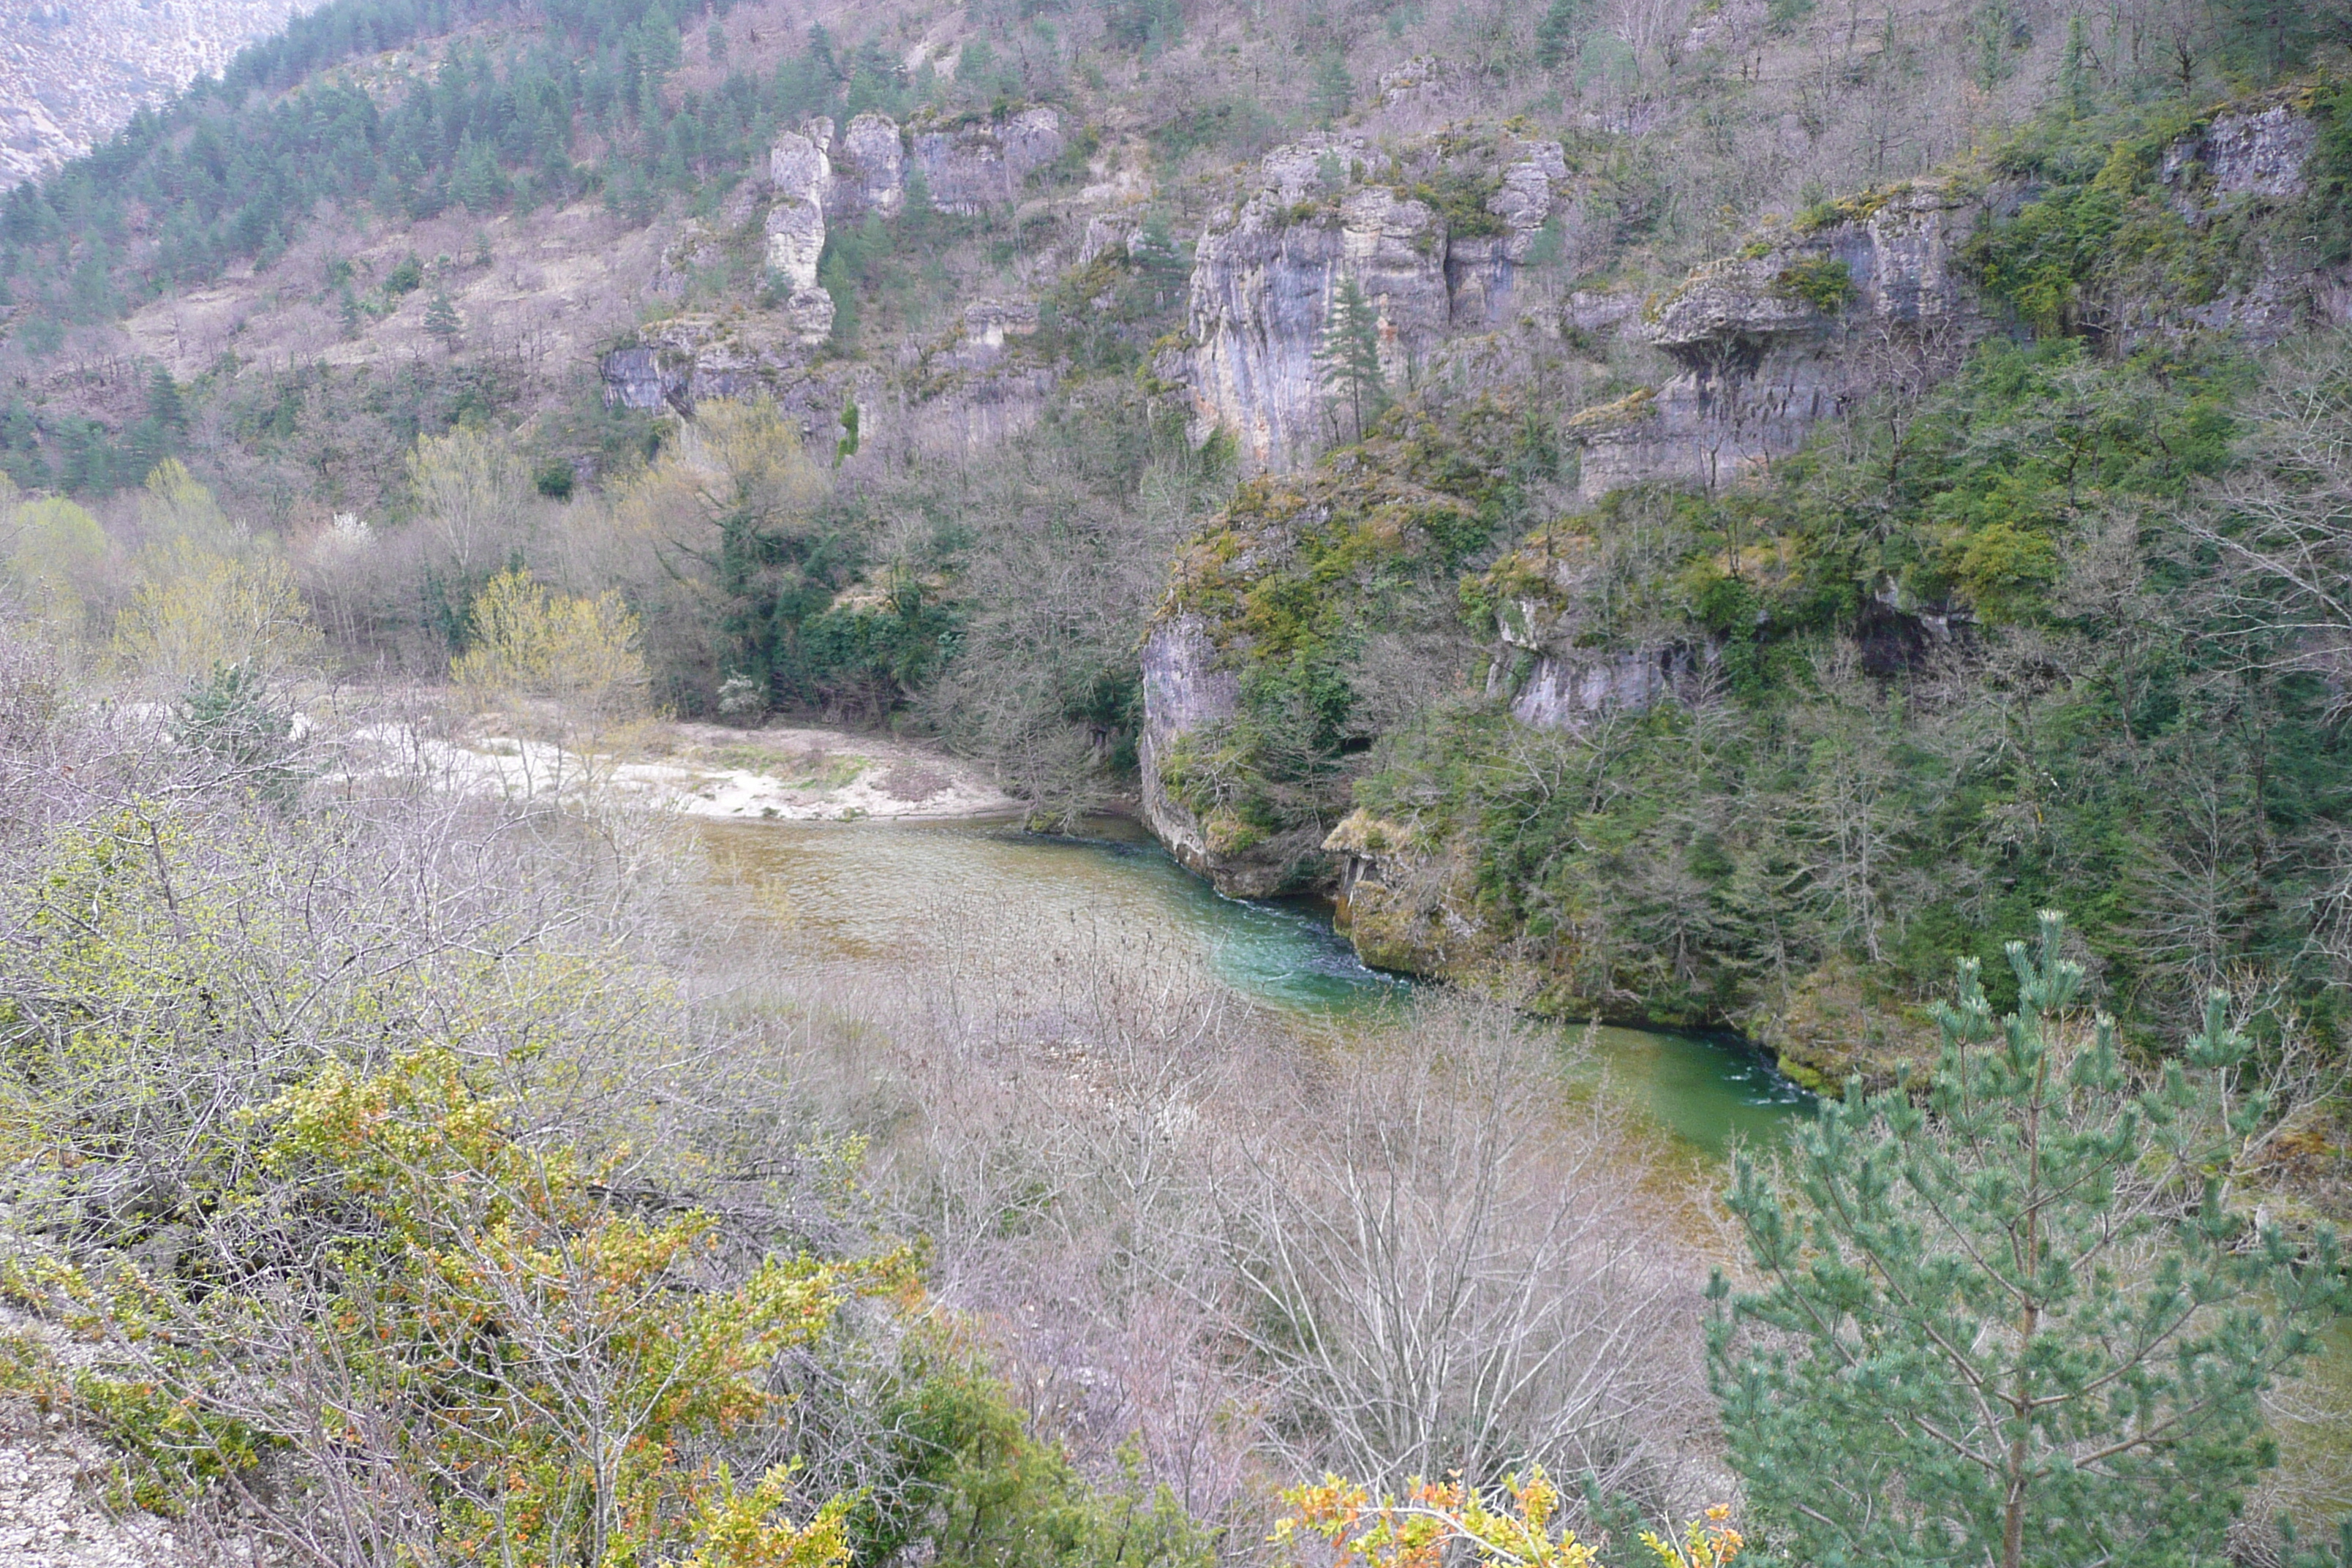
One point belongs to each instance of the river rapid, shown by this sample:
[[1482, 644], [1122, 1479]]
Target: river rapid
[[859, 891]]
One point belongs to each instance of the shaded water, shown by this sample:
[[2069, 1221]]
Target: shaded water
[[865, 889]]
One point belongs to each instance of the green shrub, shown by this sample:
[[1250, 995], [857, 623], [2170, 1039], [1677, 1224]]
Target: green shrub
[[1822, 281]]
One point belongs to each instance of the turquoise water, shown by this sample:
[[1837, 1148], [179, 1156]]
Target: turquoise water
[[866, 888]]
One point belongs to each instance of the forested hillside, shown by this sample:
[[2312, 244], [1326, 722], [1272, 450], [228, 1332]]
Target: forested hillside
[[1683, 514]]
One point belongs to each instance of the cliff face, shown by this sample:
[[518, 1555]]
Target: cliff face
[[816, 177], [1803, 322], [1553, 663], [1183, 692], [800, 171], [1770, 343], [1265, 276], [1317, 613]]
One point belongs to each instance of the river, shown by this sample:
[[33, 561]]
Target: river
[[861, 889], [868, 890]]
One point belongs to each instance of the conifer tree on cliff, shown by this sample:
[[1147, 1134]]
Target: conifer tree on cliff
[[1348, 361], [2015, 1320]]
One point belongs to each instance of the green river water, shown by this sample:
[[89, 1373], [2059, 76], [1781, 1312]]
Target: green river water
[[860, 889]]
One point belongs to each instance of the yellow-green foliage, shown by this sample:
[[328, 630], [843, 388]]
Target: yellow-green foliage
[[55, 552], [519, 1322], [1433, 1523], [298, 1133], [198, 611], [574, 650], [1860, 208], [741, 1530], [1822, 281]]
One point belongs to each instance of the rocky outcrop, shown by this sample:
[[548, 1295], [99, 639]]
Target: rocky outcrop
[[2257, 152], [1553, 664], [1264, 280], [2254, 155], [690, 358], [1774, 341], [969, 168], [966, 168], [1807, 319], [815, 178], [976, 385], [1565, 690], [801, 170], [871, 168], [1184, 693], [695, 250]]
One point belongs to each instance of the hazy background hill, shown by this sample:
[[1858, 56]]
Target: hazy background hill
[[70, 74]]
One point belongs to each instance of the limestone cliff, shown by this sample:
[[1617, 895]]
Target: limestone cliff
[[1554, 664], [800, 171], [1314, 614], [1773, 341], [974, 385], [1185, 692], [1432, 247], [1881, 291]]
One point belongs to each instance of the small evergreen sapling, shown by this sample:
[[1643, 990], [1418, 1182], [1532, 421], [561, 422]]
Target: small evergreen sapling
[[2016, 1320], [441, 320]]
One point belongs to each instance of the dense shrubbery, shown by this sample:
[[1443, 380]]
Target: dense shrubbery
[[1963, 659], [1335, 595], [342, 1131]]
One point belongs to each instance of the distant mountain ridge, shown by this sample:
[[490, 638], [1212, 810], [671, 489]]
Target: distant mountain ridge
[[73, 74]]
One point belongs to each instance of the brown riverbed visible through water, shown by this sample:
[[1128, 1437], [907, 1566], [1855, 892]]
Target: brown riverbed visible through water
[[862, 890]]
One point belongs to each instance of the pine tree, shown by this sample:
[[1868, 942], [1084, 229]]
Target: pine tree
[[441, 320], [2073, 71], [1348, 361], [1557, 31], [1335, 89], [2014, 1318]]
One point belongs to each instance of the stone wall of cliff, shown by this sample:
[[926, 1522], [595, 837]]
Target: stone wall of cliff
[[1330, 210], [1878, 292], [1769, 344], [1184, 693], [972, 383]]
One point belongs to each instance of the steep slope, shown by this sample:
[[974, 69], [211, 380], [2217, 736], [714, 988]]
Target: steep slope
[[1882, 622]]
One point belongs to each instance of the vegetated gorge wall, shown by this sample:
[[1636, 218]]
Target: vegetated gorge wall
[[975, 388], [1436, 234], [1803, 323], [1797, 328]]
